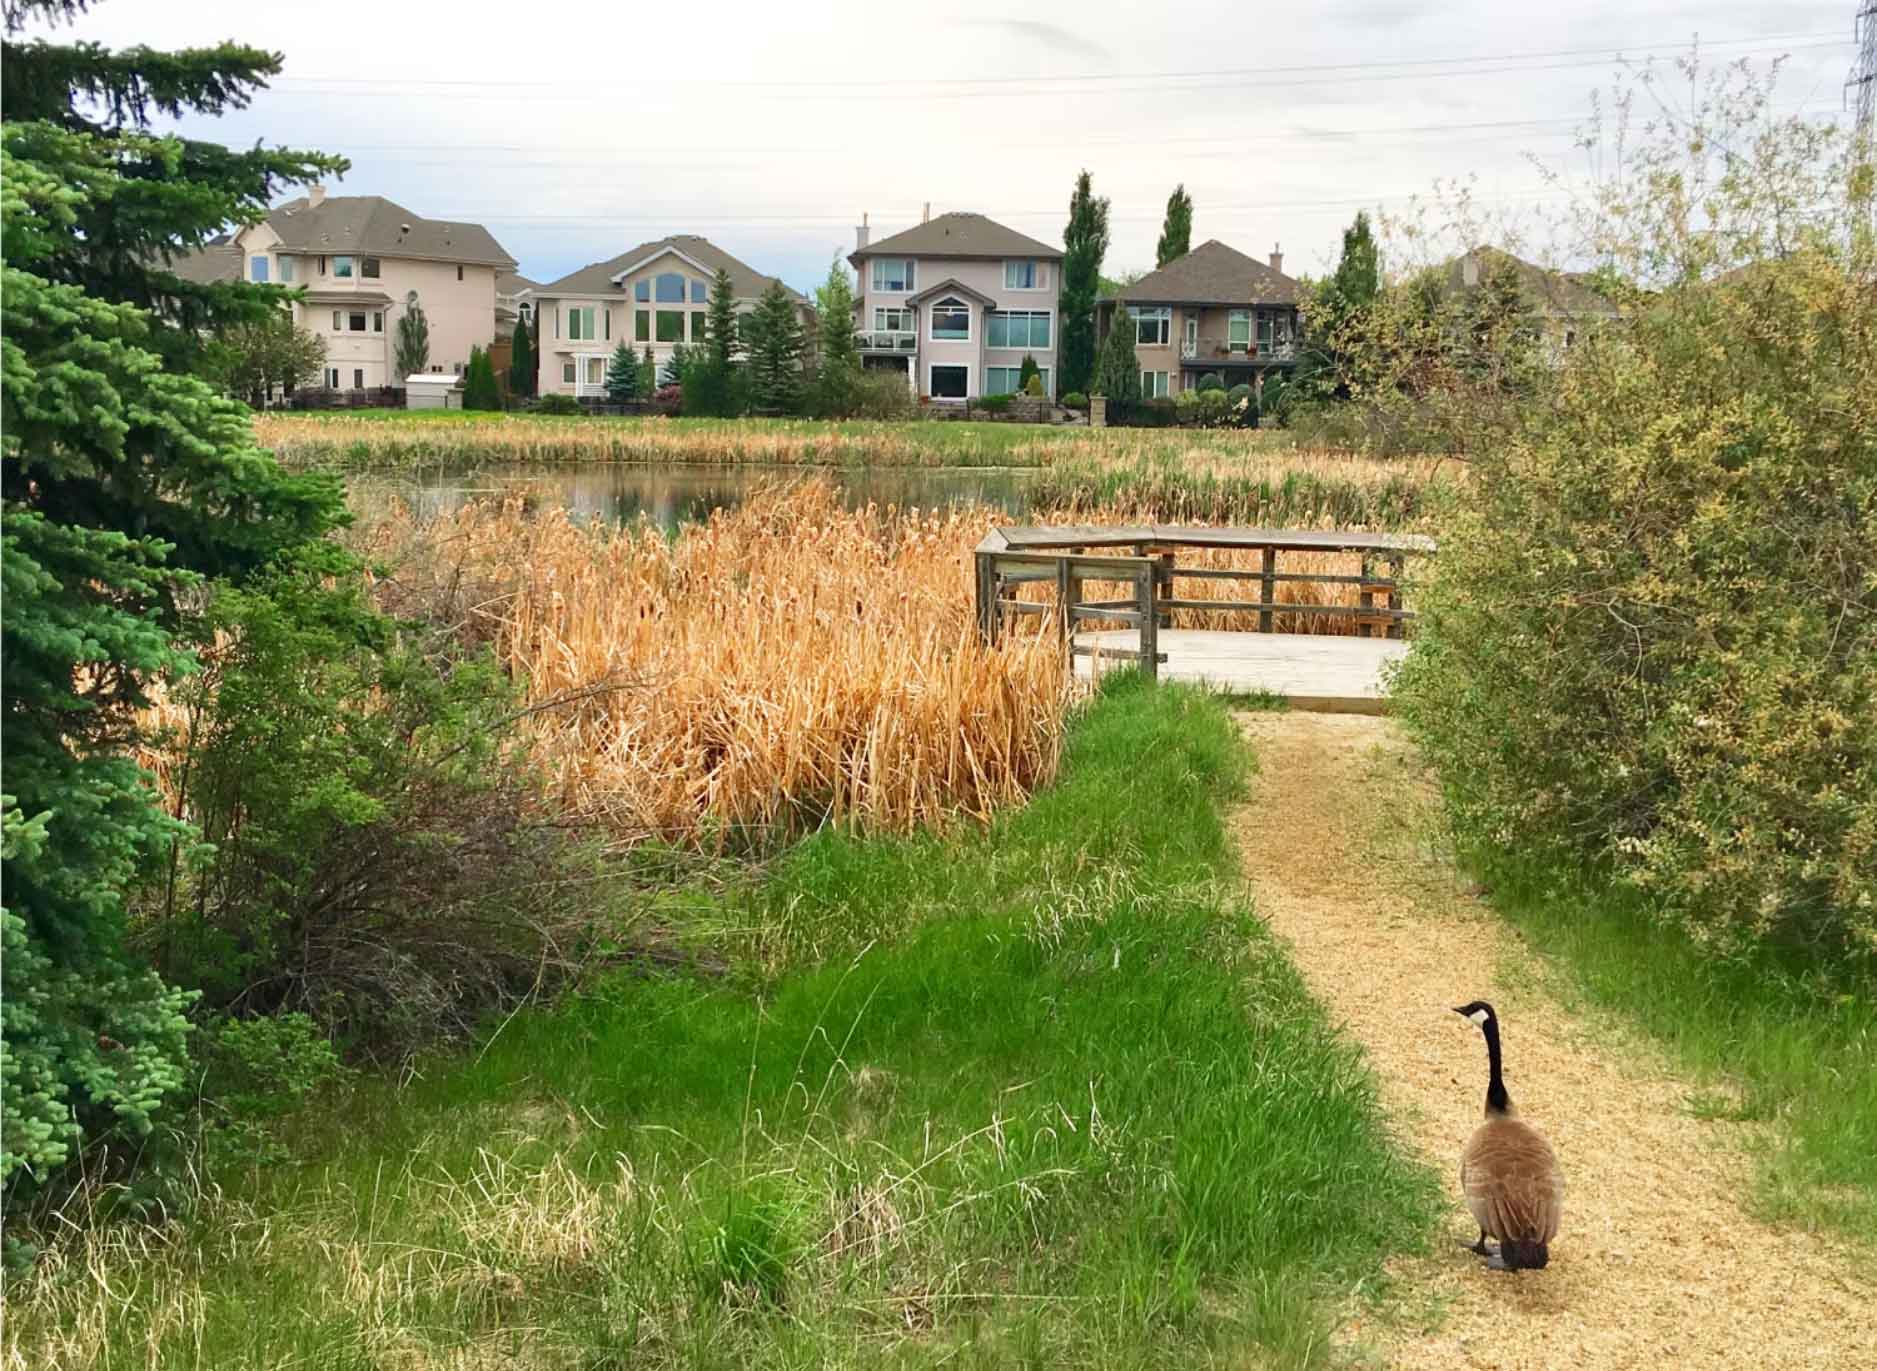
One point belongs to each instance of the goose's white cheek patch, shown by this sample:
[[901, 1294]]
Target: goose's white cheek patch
[[1478, 1016]]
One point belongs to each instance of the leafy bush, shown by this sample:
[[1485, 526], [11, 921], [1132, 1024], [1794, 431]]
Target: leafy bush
[[1650, 643], [1275, 400], [669, 396], [557, 403], [1029, 372], [1239, 394], [1075, 399], [367, 823], [1034, 387], [881, 395], [479, 388], [253, 1072], [1210, 382], [993, 404]]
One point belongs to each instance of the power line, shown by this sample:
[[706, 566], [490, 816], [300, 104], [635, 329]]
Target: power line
[[1599, 54]]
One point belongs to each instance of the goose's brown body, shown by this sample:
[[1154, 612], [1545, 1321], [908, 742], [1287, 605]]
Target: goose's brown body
[[1513, 1188]]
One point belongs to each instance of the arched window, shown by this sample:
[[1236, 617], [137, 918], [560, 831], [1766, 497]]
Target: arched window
[[668, 289], [951, 320]]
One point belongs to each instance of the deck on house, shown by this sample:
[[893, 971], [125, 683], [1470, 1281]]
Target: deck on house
[[1322, 672], [1340, 672]]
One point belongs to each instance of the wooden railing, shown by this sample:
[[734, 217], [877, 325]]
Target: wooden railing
[[1010, 558]]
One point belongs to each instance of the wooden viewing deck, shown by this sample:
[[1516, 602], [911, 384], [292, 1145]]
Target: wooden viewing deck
[[1332, 672]]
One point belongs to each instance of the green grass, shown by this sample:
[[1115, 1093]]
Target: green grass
[[1044, 1095], [1766, 1040]]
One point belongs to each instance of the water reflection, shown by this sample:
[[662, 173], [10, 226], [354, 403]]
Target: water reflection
[[672, 496]]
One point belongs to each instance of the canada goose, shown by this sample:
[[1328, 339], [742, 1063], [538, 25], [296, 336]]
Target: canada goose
[[1508, 1172]]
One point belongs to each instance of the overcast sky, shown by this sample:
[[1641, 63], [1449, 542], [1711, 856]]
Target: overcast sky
[[771, 129]]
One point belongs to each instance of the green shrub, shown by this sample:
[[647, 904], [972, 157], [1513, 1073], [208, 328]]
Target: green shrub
[[1029, 373], [1075, 399], [881, 395], [1650, 641], [1239, 394], [992, 404], [556, 403], [1034, 387], [1210, 382], [479, 388]]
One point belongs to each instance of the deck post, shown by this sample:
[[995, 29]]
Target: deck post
[[1150, 624], [1364, 629], [984, 586], [1163, 584], [1065, 602], [1268, 593]]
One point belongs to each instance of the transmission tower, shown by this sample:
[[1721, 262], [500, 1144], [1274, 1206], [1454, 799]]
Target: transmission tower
[[1861, 85]]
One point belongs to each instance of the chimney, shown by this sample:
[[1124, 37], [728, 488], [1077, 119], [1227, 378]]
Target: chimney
[[1277, 258], [316, 197], [861, 235], [926, 218]]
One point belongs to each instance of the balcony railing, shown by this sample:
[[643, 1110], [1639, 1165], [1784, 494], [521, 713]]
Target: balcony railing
[[875, 341], [1219, 350]]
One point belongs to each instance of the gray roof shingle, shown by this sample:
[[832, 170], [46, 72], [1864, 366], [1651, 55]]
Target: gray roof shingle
[[372, 224], [596, 278], [1213, 274], [958, 234]]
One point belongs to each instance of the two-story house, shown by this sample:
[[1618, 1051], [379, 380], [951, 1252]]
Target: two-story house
[[657, 295], [956, 303], [1212, 310], [362, 261]]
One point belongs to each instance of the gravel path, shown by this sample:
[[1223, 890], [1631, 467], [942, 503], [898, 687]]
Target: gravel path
[[1657, 1262]]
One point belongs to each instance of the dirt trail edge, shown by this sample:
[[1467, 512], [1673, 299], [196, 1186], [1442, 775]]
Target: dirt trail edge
[[1658, 1260]]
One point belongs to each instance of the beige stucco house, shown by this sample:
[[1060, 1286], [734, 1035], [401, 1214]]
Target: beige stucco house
[[1213, 310], [656, 295], [956, 303], [361, 260], [1565, 303]]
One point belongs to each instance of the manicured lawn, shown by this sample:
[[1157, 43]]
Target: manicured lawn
[[1045, 1094]]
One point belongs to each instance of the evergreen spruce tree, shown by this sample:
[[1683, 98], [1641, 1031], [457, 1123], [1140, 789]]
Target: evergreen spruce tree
[[648, 373], [1359, 270], [721, 340], [1176, 233], [1028, 372], [622, 375], [479, 388], [521, 361], [127, 481], [775, 352], [1118, 370], [1085, 244]]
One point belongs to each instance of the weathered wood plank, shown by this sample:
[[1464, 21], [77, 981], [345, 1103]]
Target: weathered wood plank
[[1312, 671]]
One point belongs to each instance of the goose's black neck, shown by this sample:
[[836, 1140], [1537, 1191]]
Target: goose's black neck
[[1497, 1101]]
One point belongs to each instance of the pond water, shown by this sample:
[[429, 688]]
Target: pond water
[[676, 495]]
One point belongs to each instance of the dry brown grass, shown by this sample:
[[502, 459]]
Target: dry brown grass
[[789, 662]]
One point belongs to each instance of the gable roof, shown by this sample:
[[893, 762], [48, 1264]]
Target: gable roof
[[951, 285], [958, 234], [513, 283], [1550, 292], [596, 278], [1213, 274], [219, 260], [373, 224]]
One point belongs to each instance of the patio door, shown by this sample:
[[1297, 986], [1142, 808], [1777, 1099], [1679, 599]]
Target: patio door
[[593, 374]]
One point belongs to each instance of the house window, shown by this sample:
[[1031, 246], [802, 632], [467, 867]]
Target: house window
[[671, 326], [257, 268], [580, 322], [322, 266], [596, 371], [567, 373], [459, 273], [892, 275], [1026, 275], [342, 266], [889, 320], [642, 324], [1005, 380], [950, 383], [1153, 385], [378, 321], [338, 321], [355, 321], [332, 378], [698, 325], [459, 368], [286, 270], [1152, 327], [1238, 331], [951, 320], [358, 378], [642, 291], [1018, 328], [668, 289], [700, 292], [368, 267], [607, 326]]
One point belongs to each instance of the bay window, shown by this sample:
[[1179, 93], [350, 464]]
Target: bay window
[[893, 275], [1153, 326], [888, 319]]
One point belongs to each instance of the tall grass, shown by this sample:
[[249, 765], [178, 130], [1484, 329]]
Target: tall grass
[[1045, 1094], [787, 664]]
